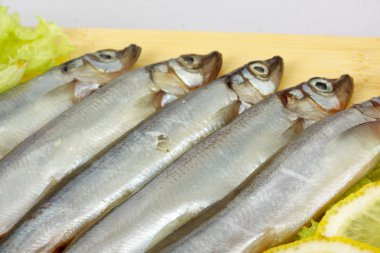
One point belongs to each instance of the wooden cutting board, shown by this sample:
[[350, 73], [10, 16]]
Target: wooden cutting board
[[305, 56]]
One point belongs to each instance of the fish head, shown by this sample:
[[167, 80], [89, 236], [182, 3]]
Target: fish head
[[257, 79], [318, 97], [371, 107], [179, 76], [102, 66], [195, 70]]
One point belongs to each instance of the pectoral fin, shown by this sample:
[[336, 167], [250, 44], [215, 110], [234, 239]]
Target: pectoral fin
[[295, 129], [227, 113], [83, 89], [75, 89]]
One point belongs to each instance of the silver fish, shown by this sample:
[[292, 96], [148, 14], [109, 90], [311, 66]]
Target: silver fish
[[69, 142], [145, 151], [298, 184], [29, 106], [214, 167]]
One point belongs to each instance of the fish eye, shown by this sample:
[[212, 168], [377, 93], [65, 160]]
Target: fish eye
[[189, 59], [321, 85], [259, 69], [106, 56]]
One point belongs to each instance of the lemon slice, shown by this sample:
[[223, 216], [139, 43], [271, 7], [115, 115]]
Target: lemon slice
[[324, 245], [356, 217]]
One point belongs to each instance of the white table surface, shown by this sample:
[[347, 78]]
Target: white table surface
[[323, 17]]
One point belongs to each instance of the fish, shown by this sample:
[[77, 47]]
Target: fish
[[142, 154], [68, 144], [293, 187], [213, 167], [31, 105]]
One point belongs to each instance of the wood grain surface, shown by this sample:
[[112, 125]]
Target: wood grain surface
[[304, 56]]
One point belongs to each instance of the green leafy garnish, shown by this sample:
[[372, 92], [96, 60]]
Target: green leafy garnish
[[27, 52], [306, 232]]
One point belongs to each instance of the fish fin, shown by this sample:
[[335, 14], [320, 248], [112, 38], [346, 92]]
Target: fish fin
[[151, 99], [200, 219], [360, 136], [167, 98], [364, 143], [268, 240], [61, 89], [77, 89], [176, 235], [228, 112], [372, 127], [169, 82], [244, 106], [83, 89], [295, 129], [370, 108], [178, 221]]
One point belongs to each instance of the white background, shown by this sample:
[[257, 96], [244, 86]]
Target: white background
[[327, 17]]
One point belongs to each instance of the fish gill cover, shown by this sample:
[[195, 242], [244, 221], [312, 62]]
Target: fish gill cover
[[27, 52]]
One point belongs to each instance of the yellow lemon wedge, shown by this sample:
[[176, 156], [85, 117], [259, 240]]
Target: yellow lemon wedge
[[324, 245], [356, 217]]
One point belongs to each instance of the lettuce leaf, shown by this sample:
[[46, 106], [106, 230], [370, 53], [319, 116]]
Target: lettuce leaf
[[310, 231], [27, 52]]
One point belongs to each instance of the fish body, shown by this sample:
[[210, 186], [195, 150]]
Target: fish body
[[142, 154], [296, 185], [67, 144], [211, 169], [29, 106]]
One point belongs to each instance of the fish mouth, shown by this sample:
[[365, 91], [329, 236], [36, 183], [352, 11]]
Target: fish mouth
[[211, 65], [344, 88], [129, 55], [275, 62], [276, 69], [376, 102]]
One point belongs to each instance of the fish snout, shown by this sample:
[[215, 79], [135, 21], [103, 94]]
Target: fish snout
[[130, 54], [276, 69], [376, 102], [343, 88], [211, 65], [274, 63]]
